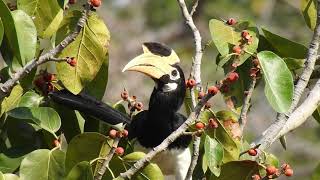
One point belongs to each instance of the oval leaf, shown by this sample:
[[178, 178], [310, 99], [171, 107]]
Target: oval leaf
[[43, 164], [85, 147], [12, 100], [81, 171], [30, 99], [214, 155], [278, 81], [27, 35], [47, 15], [8, 176], [225, 37], [285, 47], [89, 48], [45, 117], [309, 12]]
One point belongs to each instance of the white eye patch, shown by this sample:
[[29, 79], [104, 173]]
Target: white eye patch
[[174, 75], [169, 87]]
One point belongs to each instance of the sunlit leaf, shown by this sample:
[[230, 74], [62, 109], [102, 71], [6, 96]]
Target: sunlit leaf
[[89, 48], [214, 155], [43, 164], [278, 81], [30, 99], [12, 100], [8, 176], [309, 12], [46, 14]]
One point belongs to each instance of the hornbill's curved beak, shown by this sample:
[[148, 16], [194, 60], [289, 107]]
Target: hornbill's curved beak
[[156, 61]]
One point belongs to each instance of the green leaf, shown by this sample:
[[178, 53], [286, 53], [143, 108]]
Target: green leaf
[[294, 64], [81, 171], [89, 48], [225, 37], [47, 15], [231, 146], [9, 163], [27, 35], [214, 155], [45, 117], [316, 114], [10, 30], [151, 171], [43, 164], [1, 31], [8, 176], [12, 100], [316, 173], [278, 81], [309, 12], [238, 170], [30, 99], [285, 47], [85, 147], [188, 102], [271, 159]]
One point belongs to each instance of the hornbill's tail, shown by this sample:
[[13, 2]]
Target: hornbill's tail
[[90, 106]]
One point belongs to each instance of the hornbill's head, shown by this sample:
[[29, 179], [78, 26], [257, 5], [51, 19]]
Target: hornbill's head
[[161, 64]]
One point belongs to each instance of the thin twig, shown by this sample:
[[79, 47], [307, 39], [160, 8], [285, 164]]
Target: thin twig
[[107, 159], [194, 7], [246, 104], [194, 158], [6, 87], [270, 135], [165, 143]]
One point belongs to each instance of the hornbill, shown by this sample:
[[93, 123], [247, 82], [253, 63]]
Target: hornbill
[[152, 126]]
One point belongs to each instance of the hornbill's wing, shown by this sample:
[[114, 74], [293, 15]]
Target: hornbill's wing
[[90, 106]]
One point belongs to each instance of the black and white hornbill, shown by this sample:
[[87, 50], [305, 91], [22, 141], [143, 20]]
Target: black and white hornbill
[[152, 126]]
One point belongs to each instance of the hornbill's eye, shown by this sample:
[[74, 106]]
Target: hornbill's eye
[[174, 73]]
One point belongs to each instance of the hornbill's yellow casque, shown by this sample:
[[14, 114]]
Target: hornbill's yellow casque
[[152, 126]]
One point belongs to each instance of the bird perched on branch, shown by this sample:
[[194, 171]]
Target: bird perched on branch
[[152, 126]]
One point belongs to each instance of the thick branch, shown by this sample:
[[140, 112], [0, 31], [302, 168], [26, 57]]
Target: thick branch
[[106, 160], [305, 110], [270, 135], [6, 87], [195, 156], [165, 143]]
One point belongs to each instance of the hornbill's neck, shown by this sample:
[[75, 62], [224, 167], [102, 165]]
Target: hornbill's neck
[[168, 102]]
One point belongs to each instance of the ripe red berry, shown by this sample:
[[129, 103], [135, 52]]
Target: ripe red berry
[[49, 77], [288, 172], [255, 62], [72, 61], [95, 3], [232, 77], [191, 83], [125, 133], [252, 152], [224, 88], [199, 125], [119, 151], [213, 123], [138, 106], [201, 95], [124, 95], [244, 34], [237, 49], [285, 166], [113, 133], [50, 87], [39, 82], [231, 21], [271, 170], [72, 1], [256, 177], [56, 143], [213, 90]]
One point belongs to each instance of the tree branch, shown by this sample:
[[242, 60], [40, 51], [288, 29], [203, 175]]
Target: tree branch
[[270, 135], [194, 158], [6, 87], [246, 104], [107, 159]]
